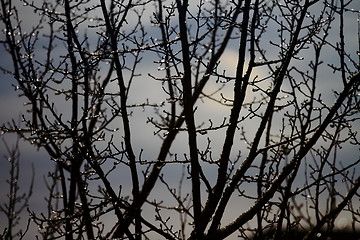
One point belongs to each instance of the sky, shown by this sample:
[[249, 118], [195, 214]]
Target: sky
[[12, 106]]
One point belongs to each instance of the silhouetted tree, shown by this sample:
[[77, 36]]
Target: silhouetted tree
[[168, 116], [15, 202]]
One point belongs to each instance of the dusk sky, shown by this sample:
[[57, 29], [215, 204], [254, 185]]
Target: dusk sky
[[12, 106]]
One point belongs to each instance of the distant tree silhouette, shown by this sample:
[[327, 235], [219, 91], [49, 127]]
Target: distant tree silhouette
[[169, 116]]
